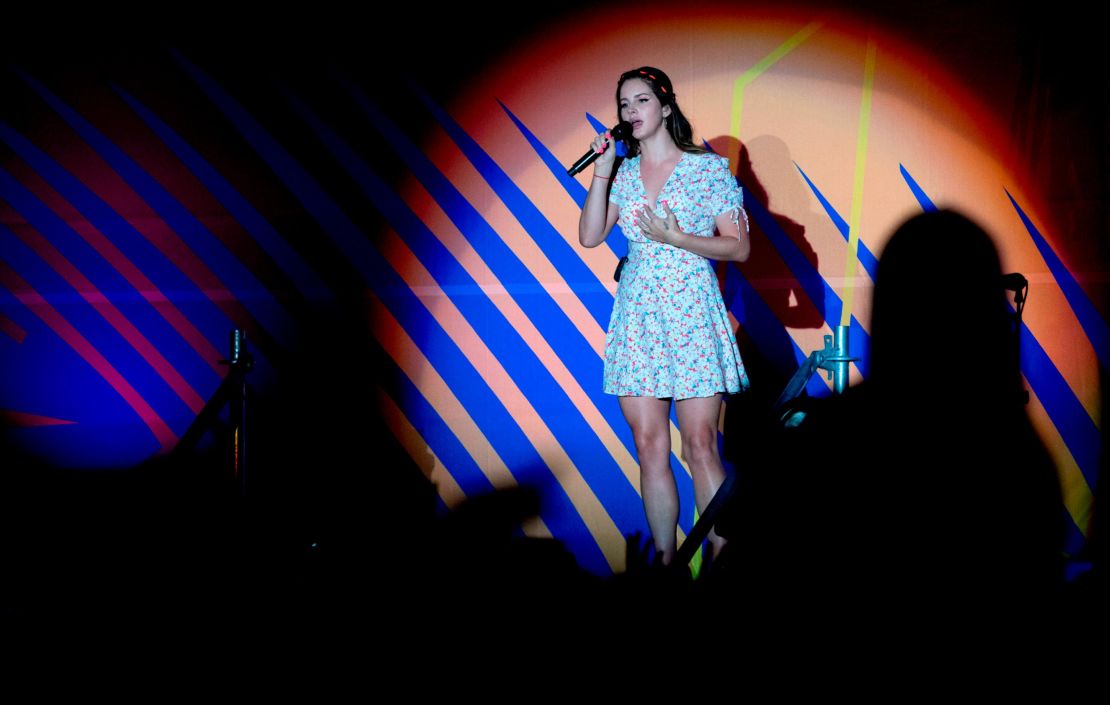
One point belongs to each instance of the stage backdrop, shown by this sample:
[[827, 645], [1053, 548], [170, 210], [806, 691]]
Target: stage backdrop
[[149, 205]]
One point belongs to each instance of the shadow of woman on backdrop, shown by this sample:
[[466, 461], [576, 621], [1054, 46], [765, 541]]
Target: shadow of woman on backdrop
[[764, 294]]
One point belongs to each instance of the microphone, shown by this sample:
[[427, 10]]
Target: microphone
[[619, 132], [1014, 282]]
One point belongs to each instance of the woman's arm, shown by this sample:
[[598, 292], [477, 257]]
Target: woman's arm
[[598, 214], [732, 243]]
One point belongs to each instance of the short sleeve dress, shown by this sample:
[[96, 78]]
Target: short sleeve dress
[[670, 335]]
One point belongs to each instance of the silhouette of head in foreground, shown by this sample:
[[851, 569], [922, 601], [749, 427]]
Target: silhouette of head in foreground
[[923, 492]]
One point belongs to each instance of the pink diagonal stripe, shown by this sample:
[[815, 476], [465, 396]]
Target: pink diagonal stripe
[[50, 316], [113, 315], [12, 329], [25, 420], [100, 178], [134, 276]]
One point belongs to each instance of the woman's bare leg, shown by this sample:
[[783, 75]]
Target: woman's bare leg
[[649, 419], [697, 421]]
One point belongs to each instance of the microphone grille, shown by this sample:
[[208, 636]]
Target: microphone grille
[[622, 131]]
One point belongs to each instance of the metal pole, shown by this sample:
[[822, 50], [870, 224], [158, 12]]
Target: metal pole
[[239, 361], [840, 371]]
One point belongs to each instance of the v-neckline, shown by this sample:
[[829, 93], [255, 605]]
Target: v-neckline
[[665, 181]]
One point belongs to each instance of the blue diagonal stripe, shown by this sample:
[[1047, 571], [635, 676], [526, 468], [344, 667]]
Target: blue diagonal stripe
[[106, 433], [1089, 318], [765, 330], [107, 341], [1068, 415], [208, 318], [287, 259], [1071, 419], [433, 429], [866, 258], [495, 421], [923, 199], [111, 284], [594, 296], [1074, 540], [233, 274], [599, 126], [560, 332], [616, 240], [817, 289], [570, 429], [619, 245]]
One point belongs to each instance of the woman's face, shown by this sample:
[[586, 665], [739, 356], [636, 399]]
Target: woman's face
[[640, 107]]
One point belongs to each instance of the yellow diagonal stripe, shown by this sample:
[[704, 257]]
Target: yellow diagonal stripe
[[1077, 494], [419, 450], [525, 248], [569, 476], [455, 242], [852, 264], [754, 72]]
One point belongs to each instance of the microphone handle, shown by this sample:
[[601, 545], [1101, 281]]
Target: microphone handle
[[619, 131], [584, 161]]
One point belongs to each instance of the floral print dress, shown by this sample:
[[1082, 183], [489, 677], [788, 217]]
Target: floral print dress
[[669, 335]]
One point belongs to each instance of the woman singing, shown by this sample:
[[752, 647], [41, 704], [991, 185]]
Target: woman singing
[[669, 336]]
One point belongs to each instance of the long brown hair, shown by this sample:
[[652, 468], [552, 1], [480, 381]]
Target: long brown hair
[[676, 123]]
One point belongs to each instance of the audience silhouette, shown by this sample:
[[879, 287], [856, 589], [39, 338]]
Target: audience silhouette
[[921, 499]]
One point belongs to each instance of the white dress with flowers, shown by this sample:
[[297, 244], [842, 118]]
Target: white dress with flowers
[[669, 335]]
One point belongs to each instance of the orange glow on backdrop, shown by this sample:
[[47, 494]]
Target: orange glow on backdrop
[[781, 93]]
